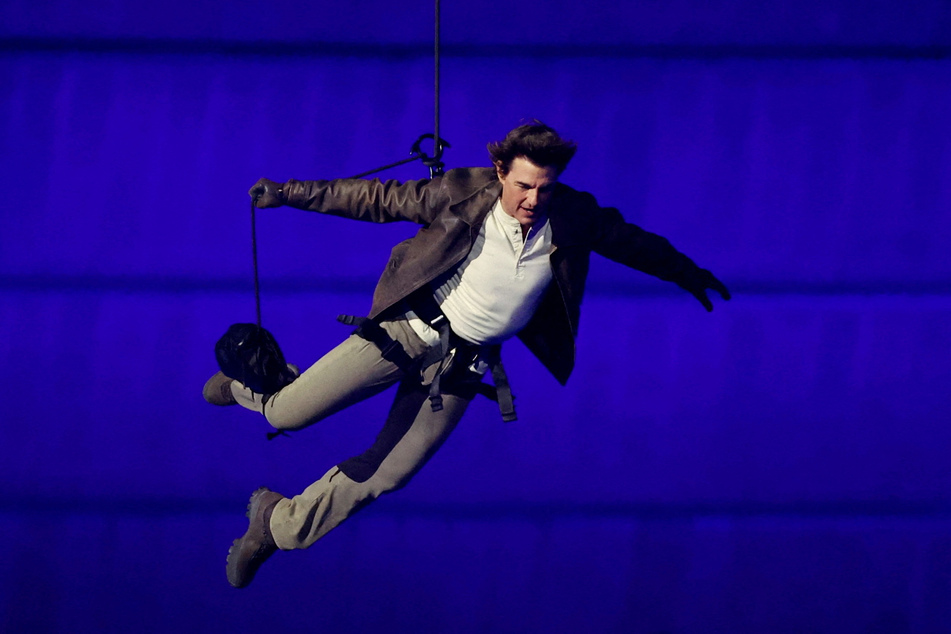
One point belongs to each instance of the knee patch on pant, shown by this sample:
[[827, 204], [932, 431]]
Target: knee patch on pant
[[410, 396]]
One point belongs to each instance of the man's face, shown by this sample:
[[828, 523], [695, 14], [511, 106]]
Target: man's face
[[526, 190]]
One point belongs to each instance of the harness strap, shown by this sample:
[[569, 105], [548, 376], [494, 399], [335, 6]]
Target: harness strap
[[391, 349], [441, 325], [503, 390], [424, 305], [426, 308]]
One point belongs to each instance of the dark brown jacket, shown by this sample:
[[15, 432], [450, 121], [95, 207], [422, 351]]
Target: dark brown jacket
[[451, 209]]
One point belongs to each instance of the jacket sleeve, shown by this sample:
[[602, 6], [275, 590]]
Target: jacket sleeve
[[369, 200], [628, 244]]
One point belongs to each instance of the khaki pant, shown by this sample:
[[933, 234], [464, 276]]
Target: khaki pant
[[349, 373]]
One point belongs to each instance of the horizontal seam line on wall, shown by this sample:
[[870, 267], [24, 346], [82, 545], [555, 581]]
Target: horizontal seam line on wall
[[503, 511], [363, 285], [231, 48]]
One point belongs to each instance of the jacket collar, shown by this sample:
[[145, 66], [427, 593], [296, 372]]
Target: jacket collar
[[477, 196]]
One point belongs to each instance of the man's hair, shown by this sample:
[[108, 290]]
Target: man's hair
[[536, 142]]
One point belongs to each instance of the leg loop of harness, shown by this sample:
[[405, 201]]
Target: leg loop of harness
[[390, 349], [441, 324], [424, 305]]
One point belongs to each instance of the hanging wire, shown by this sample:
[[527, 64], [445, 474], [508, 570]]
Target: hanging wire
[[390, 166], [437, 142], [254, 255], [434, 163]]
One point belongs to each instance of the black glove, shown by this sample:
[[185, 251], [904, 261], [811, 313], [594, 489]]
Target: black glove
[[267, 193], [697, 281]]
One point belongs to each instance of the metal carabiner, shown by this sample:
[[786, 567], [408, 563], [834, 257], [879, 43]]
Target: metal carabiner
[[434, 162]]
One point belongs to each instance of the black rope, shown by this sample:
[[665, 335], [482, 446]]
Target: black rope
[[254, 255], [434, 162], [436, 169], [257, 297], [390, 166]]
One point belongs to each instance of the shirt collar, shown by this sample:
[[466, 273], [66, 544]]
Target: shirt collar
[[509, 223]]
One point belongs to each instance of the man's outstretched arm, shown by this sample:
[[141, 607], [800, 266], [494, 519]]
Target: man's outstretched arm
[[632, 246], [367, 200]]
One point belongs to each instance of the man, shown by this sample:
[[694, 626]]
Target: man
[[502, 251]]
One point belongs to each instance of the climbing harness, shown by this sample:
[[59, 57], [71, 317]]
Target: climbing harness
[[454, 349]]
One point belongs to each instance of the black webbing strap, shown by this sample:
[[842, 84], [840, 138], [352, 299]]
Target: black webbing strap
[[435, 394], [424, 305], [391, 349], [503, 391], [426, 308]]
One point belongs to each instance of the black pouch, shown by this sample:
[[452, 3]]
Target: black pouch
[[249, 353]]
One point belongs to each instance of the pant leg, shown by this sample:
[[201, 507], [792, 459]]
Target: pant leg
[[411, 435], [351, 372]]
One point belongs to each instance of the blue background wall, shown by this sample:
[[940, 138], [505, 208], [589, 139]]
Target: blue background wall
[[778, 465]]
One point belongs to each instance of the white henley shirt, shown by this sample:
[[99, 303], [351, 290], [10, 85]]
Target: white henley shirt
[[493, 293]]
